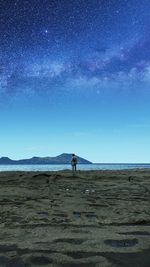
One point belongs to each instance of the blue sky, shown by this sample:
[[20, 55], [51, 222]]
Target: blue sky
[[75, 77]]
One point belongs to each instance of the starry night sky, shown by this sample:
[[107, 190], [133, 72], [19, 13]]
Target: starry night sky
[[75, 77]]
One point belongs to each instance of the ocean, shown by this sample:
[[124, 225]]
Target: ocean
[[60, 167]]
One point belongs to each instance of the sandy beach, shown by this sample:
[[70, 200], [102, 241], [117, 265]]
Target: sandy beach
[[95, 219]]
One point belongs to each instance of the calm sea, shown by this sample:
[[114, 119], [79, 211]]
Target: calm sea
[[59, 167]]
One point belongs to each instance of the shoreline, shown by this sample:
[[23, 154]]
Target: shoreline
[[80, 167]]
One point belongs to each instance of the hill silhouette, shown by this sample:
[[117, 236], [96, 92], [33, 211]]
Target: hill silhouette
[[64, 158]]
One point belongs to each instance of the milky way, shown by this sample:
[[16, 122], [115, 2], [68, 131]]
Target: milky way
[[75, 44]]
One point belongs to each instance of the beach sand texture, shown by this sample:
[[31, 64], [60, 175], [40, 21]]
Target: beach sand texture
[[95, 219]]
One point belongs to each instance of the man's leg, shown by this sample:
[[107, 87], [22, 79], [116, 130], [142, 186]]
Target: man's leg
[[75, 167]]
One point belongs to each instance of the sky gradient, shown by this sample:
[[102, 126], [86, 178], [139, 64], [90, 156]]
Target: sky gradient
[[75, 77]]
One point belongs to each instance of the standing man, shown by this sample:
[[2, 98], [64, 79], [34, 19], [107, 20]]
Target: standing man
[[74, 163]]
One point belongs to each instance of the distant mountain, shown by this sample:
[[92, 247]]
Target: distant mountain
[[61, 159]]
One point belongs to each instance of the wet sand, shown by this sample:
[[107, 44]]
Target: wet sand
[[96, 219]]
